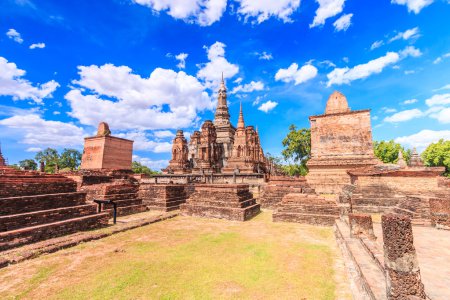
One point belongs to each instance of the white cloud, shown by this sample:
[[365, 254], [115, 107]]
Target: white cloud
[[445, 87], [211, 72], [327, 9], [441, 58], [410, 101], [267, 106], [249, 87], [257, 100], [33, 149], [238, 80], [293, 73], [442, 115], [410, 51], [262, 10], [166, 99], [404, 116], [343, 23], [39, 132], [388, 110], [439, 99], [264, 55], [143, 143], [181, 60], [422, 139], [346, 75], [376, 44], [202, 12], [409, 72], [38, 45], [162, 134], [412, 33], [11, 84], [152, 164], [14, 35], [413, 5]]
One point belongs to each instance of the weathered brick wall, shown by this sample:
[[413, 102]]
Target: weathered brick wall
[[107, 152], [164, 197], [278, 187], [440, 212], [361, 226]]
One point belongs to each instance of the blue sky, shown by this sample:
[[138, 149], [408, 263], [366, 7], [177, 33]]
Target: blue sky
[[149, 67]]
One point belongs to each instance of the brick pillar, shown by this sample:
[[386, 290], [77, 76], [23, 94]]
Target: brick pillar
[[400, 259], [361, 225]]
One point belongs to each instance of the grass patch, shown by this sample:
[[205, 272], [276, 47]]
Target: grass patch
[[192, 258]]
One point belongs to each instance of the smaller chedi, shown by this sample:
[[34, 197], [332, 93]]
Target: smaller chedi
[[106, 152], [179, 164], [415, 160], [2, 159]]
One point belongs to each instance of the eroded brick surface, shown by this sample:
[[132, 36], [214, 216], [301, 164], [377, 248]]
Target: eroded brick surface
[[361, 225]]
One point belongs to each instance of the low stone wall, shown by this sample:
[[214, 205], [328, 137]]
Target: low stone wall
[[164, 197], [277, 187], [440, 213], [361, 226]]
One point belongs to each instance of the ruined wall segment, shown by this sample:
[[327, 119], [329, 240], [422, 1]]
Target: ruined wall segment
[[104, 151], [341, 139]]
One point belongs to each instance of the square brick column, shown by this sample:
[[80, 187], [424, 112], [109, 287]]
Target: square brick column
[[402, 267], [361, 225]]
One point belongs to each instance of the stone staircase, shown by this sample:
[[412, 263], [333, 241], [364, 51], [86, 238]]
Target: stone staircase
[[125, 195], [223, 201], [278, 187], [35, 207], [164, 197], [307, 208]]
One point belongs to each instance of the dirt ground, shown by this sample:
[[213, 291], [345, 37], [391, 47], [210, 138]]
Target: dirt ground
[[190, 258]]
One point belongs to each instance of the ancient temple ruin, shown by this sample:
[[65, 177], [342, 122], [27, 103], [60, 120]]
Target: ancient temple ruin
[[104, 151], [2, 159], [218, 147], [341, 139]]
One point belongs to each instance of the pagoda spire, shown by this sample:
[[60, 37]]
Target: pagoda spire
[[241, 124], [2, 159], [222, 116]]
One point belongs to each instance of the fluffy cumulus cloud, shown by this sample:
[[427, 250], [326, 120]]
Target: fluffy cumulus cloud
[[267, 106], [37, 45], [412, 33], [264, 55], [249, 87], [114, 94], [293, 73], [163, 134], [36, 131], [439, 99], [413, 5], [262, 10], [404, 116], [181, 60], [346, 75], [202, 12], [143, 143], [343, 23], [327, 9], [211, 72], [422, 139], [410, 101], [13, 84], [14, 35], [439, 108]]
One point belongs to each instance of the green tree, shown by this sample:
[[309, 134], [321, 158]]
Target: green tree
[[70, 159], [50, 157], [28, 164], [139, 168], [438, 154], [387, 151], [295, 169], [297, 148]]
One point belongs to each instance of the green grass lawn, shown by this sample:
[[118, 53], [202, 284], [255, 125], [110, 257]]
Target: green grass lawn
[[188, 258]]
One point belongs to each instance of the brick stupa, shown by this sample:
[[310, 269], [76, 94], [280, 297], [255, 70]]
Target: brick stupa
[[104, 151], [341, 139], [2, 159]]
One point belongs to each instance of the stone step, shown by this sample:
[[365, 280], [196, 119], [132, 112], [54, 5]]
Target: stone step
[[165, 205], [13, 222], [119, 196], [124, 202], [315, 209], [19, 237], [235, 214], [24, 204], [312, 219], [217, 203], [127, 210]]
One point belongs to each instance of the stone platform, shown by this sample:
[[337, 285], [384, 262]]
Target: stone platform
[[279, 186], [164, 197], [36, 206], [223, 201], [306, 208]]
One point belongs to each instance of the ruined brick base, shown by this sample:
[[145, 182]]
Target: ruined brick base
[[164, 197], [36, 206], [306, 208], [231, 202], [278, 187], [440, 213]]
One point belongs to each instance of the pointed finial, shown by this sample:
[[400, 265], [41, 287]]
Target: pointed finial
[[222, 78], [241, 123]]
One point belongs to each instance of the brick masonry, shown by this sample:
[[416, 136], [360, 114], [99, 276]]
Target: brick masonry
[[402, 267], [440, 212], [164, 197], [361, 226], [223, 201]]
